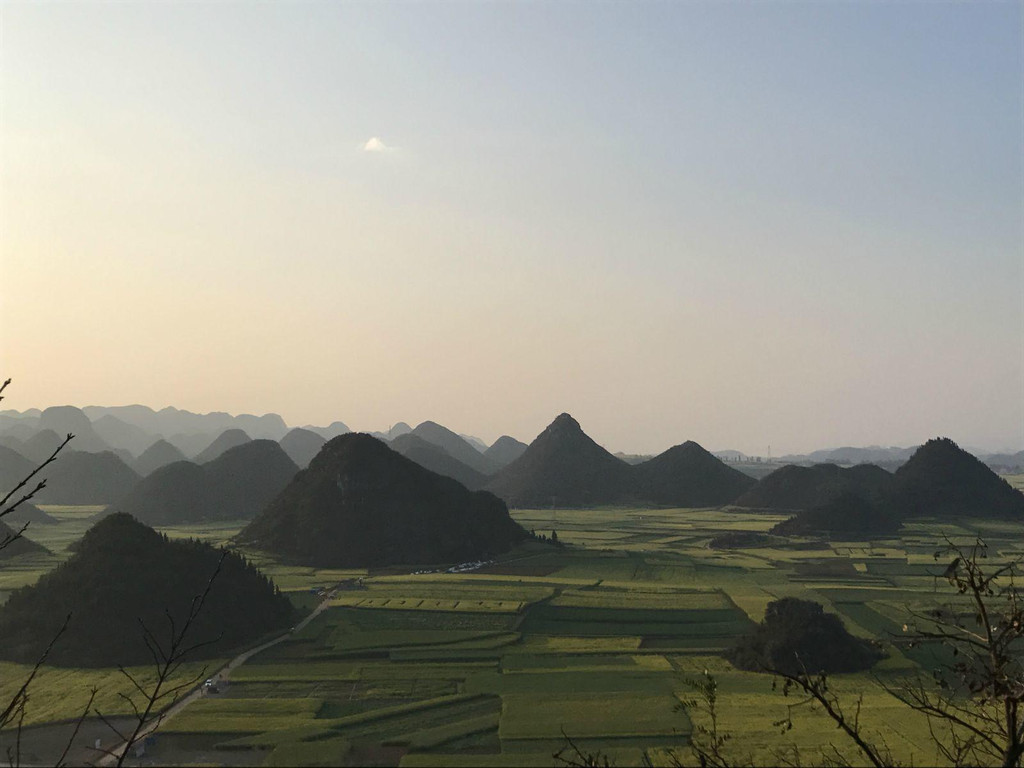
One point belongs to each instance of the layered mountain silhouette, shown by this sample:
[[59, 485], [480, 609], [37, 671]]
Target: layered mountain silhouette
[[237, 485], [41, 445], [361, 504], [77, 477], [456, 446], [331, 431], [942, 480], [106, 607], [226, 440], [301, 445], [848, 516], [121, 434], [505, 450], [174, 421], [796, 488], [159, 454], [563, 467], [438, 460], [64, 419], [688, 476]]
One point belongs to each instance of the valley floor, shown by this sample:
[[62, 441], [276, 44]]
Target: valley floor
[[596, 641]]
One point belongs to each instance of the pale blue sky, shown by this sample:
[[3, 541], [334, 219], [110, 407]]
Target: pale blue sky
[[795, 224]]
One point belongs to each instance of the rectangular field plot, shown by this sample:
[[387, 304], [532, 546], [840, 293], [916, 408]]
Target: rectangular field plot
[[637, 600], [430, 604], [583, 622], [231, 715], [532, 716]]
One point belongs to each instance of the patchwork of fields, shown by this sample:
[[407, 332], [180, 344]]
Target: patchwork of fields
[[596, 640]]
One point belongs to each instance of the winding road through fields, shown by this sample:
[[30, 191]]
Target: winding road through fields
[[224, 673]]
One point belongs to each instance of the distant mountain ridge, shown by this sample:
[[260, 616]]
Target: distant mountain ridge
[[226, 440], [563, 467], [302, 445], [237, 485], [505, 450], [159, 454], [437, 459], [456, 446]]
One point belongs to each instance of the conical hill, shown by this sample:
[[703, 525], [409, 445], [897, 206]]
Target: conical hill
[[941, 479], [361, 504], [563, 467], [237, 485], [688, 476]]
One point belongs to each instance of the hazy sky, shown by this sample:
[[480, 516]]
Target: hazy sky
[[747, 224]]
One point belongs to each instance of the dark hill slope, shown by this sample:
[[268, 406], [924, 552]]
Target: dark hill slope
[[28, 513], [847, 517], [795, 487], [235, 486], [229, 438], [505, 450], [21, 545], [688, 476], [941, 479], [360, 504], [301, 445], [159, 454], [455, 446], [563, 467], [438, 460], [86, 478], [106, 607], [13, 469], [41, 445]]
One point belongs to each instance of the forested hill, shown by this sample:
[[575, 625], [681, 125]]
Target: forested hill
[[123, 572]]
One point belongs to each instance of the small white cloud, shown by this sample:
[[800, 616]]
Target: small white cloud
[[376, 144]]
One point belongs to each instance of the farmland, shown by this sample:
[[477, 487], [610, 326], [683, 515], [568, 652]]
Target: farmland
[[595, 640]]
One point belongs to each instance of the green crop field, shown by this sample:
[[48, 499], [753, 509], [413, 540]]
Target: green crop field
[[597, 640]]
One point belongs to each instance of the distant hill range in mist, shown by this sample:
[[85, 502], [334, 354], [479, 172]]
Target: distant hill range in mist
[[236, 485]]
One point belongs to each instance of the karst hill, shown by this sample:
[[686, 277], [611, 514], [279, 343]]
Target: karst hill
[[793, 487], [302, 445], [360, 504], [159, 454], [941, 479], [437, 459], [563, 467], [237, 485], [688, 476], [106, 607], [226, 440]]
